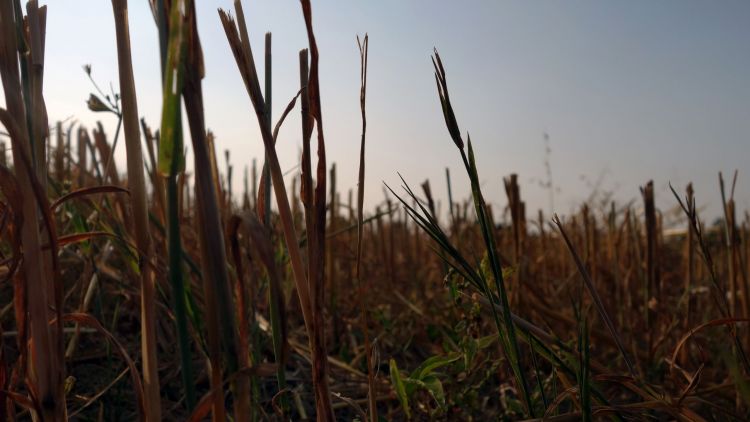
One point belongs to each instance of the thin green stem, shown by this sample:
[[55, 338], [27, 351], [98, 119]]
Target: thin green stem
[[178, 289]]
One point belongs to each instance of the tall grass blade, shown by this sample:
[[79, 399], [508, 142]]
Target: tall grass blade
[[596, 298], [507, 331], [719, 294], [171, 163]]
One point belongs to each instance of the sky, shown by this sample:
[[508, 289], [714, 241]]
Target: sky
[[627, 91]]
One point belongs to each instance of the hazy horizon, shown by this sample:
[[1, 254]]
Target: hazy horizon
[[626, 91]]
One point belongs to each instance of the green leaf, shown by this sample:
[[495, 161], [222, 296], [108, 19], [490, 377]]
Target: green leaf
[[431, 384], [435, 388], [398, 385], [171, 158], [432, 364], [486, 342], [411, 385], [470, 352]]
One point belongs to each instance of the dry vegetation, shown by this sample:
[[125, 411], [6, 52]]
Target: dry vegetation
[[157, 294]]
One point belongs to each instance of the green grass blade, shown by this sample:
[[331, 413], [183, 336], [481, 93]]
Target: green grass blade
[[171, 162]]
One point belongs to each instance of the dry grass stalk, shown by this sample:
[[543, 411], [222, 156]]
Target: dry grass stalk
[[254, 184], [265, 209], [105, 150], [215, 176], [310, 289], [59, 162], [140, 229], [35, 24], [737, 278], [36, 18], [316, 236], [373, 409], [689, 267], [46, 369], [512, 191], [156, 179], [213, 363], [243, 57], [213, 246], [82, 156], [245, 190], [332, 263], [228, 185], [68, 151], [653, 284]]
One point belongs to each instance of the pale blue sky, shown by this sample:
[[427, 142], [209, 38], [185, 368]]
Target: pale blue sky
[[627, 90]]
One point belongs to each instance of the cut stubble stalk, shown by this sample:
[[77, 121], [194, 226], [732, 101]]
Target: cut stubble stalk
[[140, 229]]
